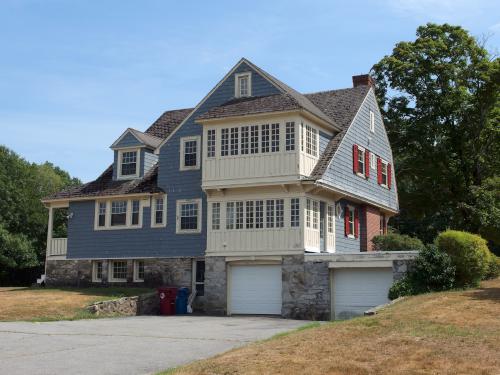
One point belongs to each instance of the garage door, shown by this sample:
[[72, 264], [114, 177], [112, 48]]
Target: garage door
[[255, 290], [359, 289]]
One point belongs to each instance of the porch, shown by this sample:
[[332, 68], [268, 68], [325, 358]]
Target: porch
[[57, 241]]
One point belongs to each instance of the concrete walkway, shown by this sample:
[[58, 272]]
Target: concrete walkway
[[133, 345]]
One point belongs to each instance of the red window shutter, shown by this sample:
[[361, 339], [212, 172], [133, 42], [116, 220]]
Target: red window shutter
[[346, 220], [355, 165], [379, 171], [367, 163], [389, 175], [356, 222]]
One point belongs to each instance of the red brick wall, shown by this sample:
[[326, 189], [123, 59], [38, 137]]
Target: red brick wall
[[371, 227]]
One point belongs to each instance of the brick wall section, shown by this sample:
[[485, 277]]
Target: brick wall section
[[372, 227]]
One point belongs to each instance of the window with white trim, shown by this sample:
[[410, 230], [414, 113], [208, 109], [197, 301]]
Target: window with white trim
[[294, 212], [352, 214], [290, 136], [259, 214], [315, 218], [215, 215], [311, 140], [128, 163], [308, 213], [249, 214], [159, 211], [275, 137], [239, 215], [102, 214], [118, 213], [372, 122], [189, 216], [190, 153], [361, 161], [97, 271], [211, 142], [265, 138], [199, 277], [243, 85], [118, 271], [245, 132], [230, 215], [136, 206], [373, 161], [138, 271], [270, 213], [330, 217], [254, 139], [224, 142], [280, 213], [234, 141]]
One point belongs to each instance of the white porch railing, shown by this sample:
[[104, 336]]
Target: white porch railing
[[57, 246]]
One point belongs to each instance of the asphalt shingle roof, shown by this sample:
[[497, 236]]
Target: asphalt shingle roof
[[167, 122]]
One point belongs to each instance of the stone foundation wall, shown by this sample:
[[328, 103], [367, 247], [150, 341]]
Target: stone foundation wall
[[215, 285], [146, 304], [76, 273], [400, 267]]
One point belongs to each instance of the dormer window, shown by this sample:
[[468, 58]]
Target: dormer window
[[128, 161], [243, 85]]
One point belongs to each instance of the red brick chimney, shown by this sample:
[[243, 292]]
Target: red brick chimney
[[362, 80]]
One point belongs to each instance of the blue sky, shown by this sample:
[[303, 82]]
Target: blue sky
[[75, 74]]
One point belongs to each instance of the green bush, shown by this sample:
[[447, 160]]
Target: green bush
[[396, 242], [432, 271], [493, 267], [469, 254]]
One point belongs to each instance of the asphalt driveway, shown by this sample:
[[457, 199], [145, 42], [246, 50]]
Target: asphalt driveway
[[133, 345]]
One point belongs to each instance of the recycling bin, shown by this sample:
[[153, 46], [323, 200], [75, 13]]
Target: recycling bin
[[181, 301], [167, 300]]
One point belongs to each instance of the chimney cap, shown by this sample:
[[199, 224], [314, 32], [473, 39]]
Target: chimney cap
[[363, 80]]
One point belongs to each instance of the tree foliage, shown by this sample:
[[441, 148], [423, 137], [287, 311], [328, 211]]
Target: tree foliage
[[23, 218], [439, 96]]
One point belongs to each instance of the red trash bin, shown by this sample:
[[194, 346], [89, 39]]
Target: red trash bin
[[167, 300]]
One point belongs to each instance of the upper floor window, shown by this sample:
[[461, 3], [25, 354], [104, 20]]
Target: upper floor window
[[190, 158], [135, 212], [224, 142], [351, 221], [211, 143], [159, 211], [254, 139], [189, 216], [244, 139], [102, 214], [243, 85], [331, 217], [118, 213], [215, 215], [128, 163], [259, 214], [275, 137], [311, 140], [234, 141], [361, 161], [372, 122], [265, 138], [290, 136], [294, 212], [312, 214], [384, 173]]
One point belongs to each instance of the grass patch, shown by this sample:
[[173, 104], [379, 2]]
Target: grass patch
[[51, 304]]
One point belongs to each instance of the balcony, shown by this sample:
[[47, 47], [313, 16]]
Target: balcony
[[57, 247]]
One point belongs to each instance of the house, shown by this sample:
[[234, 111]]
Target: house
[[261, 199]]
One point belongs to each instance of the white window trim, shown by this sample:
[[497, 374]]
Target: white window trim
[[362, 150], [180, 202], [183, 140], [372, 121], [351, 233], [136, 271], [373, 161], [96, 279], [193, 274], [128, 222], [237, 84], [111, 279], [138, 164], [386, 163], [153, 211]]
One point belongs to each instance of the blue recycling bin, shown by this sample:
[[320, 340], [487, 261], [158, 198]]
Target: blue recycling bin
[[181, 301]]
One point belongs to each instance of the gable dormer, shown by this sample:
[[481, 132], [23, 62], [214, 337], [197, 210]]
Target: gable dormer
[[134, 154]]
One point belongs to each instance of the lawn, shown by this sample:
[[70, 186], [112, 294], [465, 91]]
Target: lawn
[[441, 333], [45, 304]]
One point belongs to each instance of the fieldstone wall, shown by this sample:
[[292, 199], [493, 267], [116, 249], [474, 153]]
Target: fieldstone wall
[[400, 267], [146, 304], [215, 286], [77, 273], [306, 289]]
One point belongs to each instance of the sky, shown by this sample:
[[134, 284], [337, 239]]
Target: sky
[[75, 74]]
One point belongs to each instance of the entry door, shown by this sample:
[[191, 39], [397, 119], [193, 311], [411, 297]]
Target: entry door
[[255, 290]]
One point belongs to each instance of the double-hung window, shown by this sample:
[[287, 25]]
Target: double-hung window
[[234, 141], [290, 136], [361, 161], [275, 137], [265, 138], [249, 214], [118, 213], [189, 216], [311, 141], [215, 215], [128, 164], [211, 141], [190, 158], [224, 142], [351, 221], [118, 271], [102, 214], [159, 212], [138, 271], [97, 271], [245, 132], [243, 85], [254, 139], [135, 212], [294, 212]]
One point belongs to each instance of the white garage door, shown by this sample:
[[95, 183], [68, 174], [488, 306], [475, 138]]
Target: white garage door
[[255, 289], [356, 290]]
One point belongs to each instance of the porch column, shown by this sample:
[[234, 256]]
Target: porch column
[[50, 227]]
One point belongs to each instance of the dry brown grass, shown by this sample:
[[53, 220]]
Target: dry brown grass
[[54, 304], [440, 333]]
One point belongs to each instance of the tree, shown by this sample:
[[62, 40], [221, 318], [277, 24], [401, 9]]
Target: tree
[[439, 97]]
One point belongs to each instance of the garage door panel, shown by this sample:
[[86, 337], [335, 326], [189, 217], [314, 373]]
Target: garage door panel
[[255, 289], [359, 289]]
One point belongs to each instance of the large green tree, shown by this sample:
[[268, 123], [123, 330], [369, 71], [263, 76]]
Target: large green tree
[[439, 95], [23, 218]]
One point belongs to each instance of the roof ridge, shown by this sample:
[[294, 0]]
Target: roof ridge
[[332, 90]]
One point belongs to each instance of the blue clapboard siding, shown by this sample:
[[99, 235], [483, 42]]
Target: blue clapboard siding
[[84, 242], [344, 244], [340, 171], [129, 140]]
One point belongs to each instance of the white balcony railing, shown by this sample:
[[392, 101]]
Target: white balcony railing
[[57, 246]]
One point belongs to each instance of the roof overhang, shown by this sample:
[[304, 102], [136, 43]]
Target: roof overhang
[[53, 202]]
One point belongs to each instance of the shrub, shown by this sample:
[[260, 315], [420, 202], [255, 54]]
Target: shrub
[[431, 271], [396, 242], [493, 267], [469, 254]]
